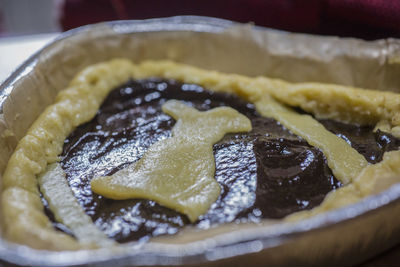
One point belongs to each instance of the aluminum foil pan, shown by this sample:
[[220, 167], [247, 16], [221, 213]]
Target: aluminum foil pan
[[345, 236]]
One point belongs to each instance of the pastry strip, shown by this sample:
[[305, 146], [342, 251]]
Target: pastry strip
[[67, 210], [344, 161]]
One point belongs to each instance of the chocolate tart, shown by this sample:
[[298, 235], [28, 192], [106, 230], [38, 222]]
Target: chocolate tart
[[288, 120], [280, 170]]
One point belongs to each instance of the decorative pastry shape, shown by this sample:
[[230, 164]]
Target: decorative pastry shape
[[178, 172]]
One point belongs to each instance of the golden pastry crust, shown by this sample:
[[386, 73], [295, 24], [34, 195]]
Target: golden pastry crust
[[24, 220], [42, 145], [343, 103]]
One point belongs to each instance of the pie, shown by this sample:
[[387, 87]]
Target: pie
[[229, 148]]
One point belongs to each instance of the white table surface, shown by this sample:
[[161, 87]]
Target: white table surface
[[15, 50]]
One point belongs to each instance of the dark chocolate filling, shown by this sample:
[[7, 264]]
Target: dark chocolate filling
[[266, 173]]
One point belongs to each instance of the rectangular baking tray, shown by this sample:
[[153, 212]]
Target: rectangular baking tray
[[345, 236]]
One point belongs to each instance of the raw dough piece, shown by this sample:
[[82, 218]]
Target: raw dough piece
[[178, 172]]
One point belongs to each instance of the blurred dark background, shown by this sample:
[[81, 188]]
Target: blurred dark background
[[366, 19]]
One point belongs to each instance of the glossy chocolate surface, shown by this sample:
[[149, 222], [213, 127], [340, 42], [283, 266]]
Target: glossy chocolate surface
[[267, 173]]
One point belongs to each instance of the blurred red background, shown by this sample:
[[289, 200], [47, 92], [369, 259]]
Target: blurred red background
[[367, 19]]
